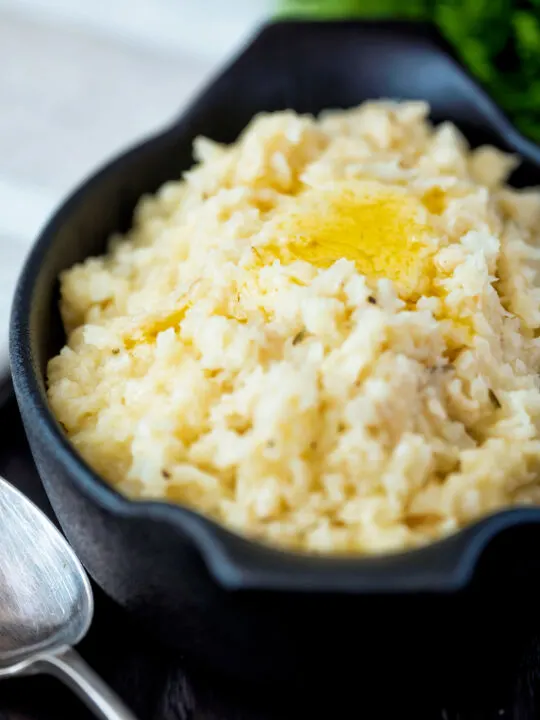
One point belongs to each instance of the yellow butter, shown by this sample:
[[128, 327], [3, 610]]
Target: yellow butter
[[384, 231]]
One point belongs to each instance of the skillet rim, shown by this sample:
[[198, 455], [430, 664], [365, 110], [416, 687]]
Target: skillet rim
[[234, 561]]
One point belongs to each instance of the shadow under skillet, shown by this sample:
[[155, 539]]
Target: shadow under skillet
[[158, 687]]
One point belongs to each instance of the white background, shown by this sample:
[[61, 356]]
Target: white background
[[82, 79]]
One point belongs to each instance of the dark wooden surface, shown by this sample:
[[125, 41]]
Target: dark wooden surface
[[161, 687]]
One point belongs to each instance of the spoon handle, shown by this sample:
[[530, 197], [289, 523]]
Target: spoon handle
[[71, 669]]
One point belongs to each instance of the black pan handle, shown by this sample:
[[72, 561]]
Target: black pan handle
[[443, 566], [313, 65]]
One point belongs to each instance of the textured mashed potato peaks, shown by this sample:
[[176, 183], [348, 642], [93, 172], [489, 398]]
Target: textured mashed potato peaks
[[323, 336]]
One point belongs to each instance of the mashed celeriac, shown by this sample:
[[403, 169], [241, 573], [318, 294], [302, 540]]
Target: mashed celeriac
[[323, 336]]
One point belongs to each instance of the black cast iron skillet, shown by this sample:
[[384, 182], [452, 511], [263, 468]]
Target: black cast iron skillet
[[231, 603]]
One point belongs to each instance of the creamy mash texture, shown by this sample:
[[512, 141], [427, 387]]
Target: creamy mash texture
[[323, 336]]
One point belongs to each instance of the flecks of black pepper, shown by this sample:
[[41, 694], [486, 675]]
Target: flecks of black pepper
[[166, 474], [441, 368], [372, 300], [494, 399]]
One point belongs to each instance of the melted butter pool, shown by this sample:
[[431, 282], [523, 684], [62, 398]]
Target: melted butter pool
[[385, 232]]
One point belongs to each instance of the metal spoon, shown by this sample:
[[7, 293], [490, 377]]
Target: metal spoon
[[46, 605]]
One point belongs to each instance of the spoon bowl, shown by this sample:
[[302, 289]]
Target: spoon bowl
[[46, 604], [46, 600]]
